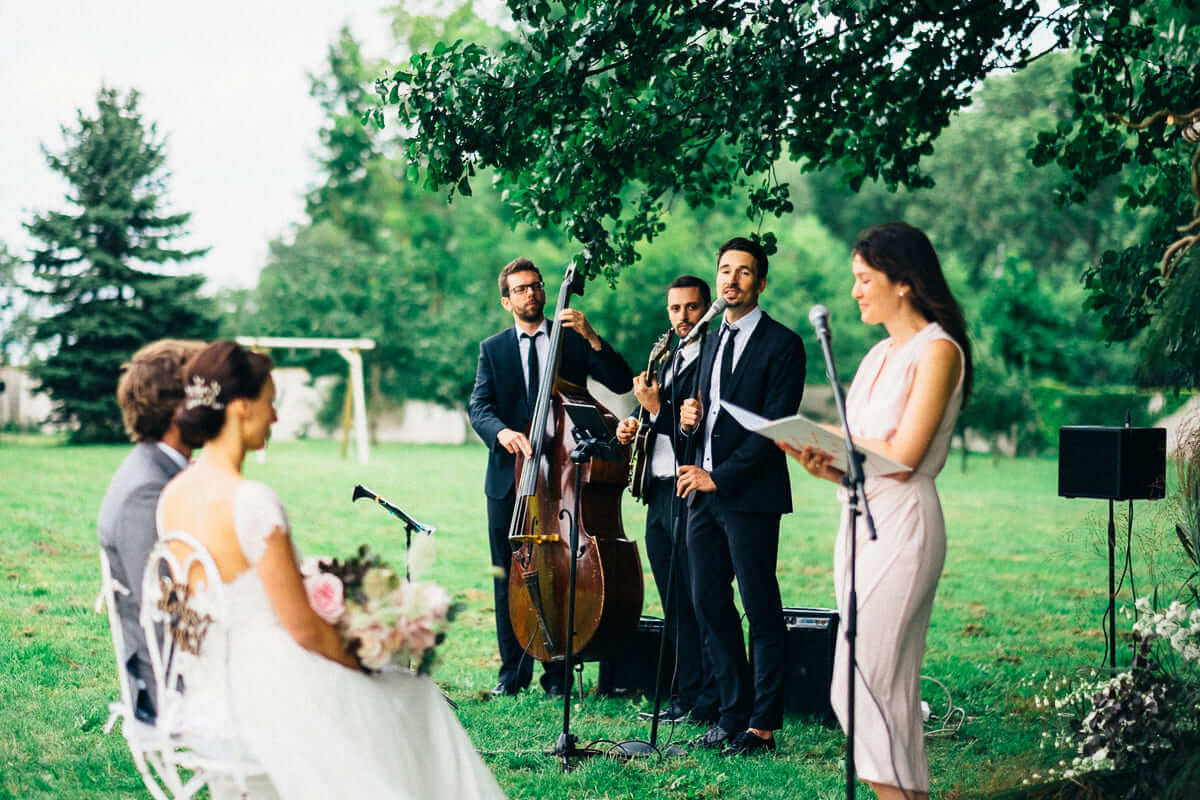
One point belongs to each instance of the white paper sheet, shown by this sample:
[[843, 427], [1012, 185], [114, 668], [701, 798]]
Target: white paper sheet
[[799, 431]]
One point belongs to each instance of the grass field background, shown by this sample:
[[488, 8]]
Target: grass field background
[[1022, 596]]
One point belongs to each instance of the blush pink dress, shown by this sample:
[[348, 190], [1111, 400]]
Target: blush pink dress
[[897, 573]]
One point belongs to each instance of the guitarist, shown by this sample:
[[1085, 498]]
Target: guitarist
[[695, 696]]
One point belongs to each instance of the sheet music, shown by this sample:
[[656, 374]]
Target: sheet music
[[799, 431]]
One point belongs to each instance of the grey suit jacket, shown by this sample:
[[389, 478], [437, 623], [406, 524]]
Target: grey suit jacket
[[127, 533]]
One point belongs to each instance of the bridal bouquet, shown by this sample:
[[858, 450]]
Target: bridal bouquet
[[383, 618]]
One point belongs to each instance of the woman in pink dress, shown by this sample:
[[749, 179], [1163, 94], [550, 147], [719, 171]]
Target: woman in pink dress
[[903, 403]]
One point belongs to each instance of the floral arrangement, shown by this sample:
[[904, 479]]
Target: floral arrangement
[[1136, 733], [1143, 722], [385, 619]]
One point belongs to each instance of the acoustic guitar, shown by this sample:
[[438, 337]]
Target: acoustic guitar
[[639, 464]]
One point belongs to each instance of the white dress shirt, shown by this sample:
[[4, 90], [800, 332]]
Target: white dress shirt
[[176, 456], [663, 462], [543, 349], [745, 329]]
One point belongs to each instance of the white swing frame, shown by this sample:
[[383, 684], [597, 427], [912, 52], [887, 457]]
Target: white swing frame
[[351, 351]]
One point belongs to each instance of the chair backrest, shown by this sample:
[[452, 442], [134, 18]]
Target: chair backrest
[[185, 618], [183, 600], [109, 588]]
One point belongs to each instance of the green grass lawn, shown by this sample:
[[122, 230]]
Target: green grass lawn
[[1022, 595]]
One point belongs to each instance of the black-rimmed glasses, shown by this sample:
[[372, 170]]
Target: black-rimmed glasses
[[526, 288]]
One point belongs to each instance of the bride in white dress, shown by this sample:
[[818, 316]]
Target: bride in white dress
[[319, 726]]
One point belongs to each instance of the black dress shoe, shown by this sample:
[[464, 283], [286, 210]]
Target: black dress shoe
[[503, 689], [676, 712], [711, 739], [749, 744], [553, 690], [671, 714]]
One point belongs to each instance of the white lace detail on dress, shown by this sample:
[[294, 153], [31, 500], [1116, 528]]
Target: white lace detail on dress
[[257, 513]]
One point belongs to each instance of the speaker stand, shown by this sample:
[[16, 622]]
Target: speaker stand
[[1112, 589]]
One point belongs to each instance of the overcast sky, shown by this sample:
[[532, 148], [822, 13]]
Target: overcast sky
[[225, 80]]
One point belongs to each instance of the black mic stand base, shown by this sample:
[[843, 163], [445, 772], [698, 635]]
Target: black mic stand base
[[631, 749], [565, 749]]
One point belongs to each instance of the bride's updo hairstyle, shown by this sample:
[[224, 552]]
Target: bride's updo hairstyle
[[219, 373], [905, 255]]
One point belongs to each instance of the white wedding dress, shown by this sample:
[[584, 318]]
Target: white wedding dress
[[321, 730]]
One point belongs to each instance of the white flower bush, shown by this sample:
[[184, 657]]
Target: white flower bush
[[1139, 719], [1175, 625]]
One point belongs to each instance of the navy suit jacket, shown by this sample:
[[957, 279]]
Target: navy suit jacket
[[750, 471], [498, 400]]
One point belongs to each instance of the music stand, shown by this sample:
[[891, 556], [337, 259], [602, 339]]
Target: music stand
[[591, 432], [592, 440]]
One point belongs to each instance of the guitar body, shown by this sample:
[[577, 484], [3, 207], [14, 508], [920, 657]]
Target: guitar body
[[639, 464]]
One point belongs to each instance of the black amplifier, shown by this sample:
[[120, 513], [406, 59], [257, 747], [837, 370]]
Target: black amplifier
[[808, 659], [631, 672]]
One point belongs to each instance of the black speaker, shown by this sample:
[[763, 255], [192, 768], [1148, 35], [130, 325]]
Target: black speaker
[[632, 673], [1112, 463], [808, 659]]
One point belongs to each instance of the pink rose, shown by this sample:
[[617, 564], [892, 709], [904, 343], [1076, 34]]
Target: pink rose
[[326, 595], [420, 635], [373, 649], [437, 602]]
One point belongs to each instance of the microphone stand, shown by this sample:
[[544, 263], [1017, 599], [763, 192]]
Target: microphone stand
[[670, 612], [411, 525], [855, 482]]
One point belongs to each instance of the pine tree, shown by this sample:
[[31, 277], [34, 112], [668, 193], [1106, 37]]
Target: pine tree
[[94, 265]]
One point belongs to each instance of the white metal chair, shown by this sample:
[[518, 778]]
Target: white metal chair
[[145, 741], [183, 615]]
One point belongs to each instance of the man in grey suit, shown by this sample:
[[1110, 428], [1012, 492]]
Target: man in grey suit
[[148, 392]]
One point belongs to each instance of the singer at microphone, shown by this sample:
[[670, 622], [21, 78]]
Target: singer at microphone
[[903, 403], [737, 490]]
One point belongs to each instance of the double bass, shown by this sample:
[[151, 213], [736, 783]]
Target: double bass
[[608, 591]]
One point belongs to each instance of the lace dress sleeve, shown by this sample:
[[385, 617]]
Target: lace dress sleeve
[[257, 515]]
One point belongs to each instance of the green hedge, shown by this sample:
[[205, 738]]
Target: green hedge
[[1058, 405]]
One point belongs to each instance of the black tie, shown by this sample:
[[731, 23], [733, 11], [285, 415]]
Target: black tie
[[727, 358], [531, 388]]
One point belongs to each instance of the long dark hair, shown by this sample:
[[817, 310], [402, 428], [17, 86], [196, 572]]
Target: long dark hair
[[219, 373], [905, 255]]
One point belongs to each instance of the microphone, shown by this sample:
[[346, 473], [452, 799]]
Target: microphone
[[716, 308], [818, 317], [413, 525]]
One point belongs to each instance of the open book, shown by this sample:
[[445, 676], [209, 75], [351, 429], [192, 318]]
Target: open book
[[799, 431]]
